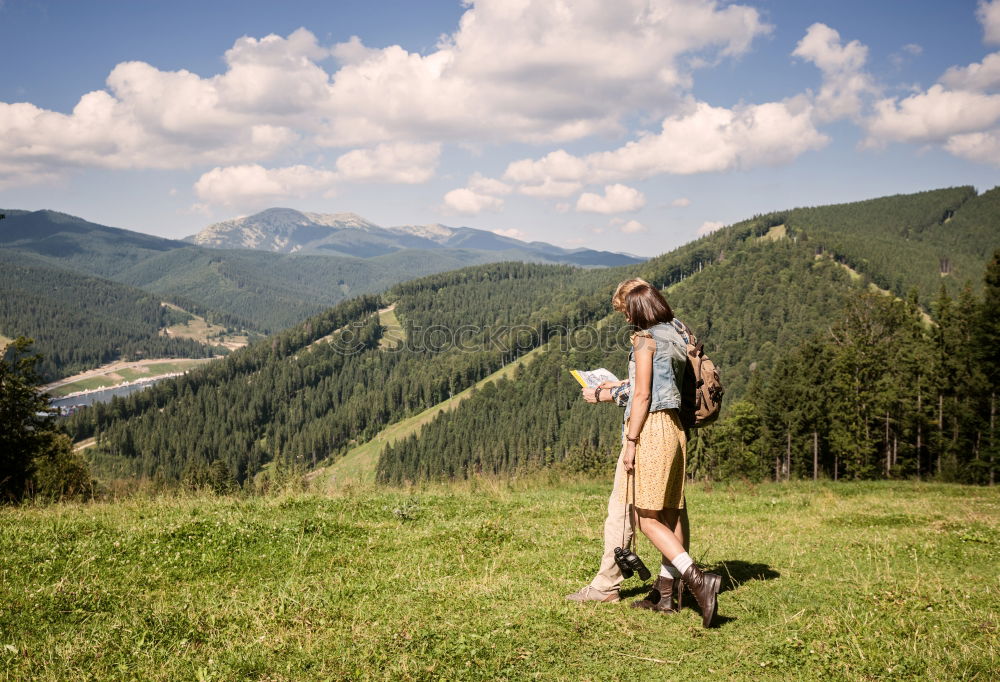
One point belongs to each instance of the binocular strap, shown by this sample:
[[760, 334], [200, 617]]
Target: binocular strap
[[629, 510]]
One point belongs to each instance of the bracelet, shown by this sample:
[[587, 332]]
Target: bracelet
[[634, 440]]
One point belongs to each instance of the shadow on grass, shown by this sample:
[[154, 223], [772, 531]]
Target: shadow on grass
[[734, 573]]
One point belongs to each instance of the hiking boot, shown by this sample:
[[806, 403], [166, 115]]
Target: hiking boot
[[661, 596], [591, 593], [705, 588]]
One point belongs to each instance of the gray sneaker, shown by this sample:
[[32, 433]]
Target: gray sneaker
[[591, 593]]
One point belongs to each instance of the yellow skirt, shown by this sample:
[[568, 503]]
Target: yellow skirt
[[660, 458]]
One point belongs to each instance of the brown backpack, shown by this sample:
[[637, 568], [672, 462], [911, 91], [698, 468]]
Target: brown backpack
[[701, 394]]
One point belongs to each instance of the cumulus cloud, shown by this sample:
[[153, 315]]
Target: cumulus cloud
[[254, 185], [709, 226], [466, 201], [981, 76], [988, 13], [401, 162], [845, 81], [480, 194], [484, 185], [533, 71], [513, 233], [628, 226], [932, 116], [681, 202], [550, 188], [981, 147], [616, 199], [703, 139]]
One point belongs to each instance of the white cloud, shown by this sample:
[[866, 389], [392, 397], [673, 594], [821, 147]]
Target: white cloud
[[551, 189], [981, 147], [484, 185], [558, 164], [681, 202], [701, 140], [905, 54], [254, 185], [844, 80], [981, 76], [616, 199], [988, 13], [466, 201], [513, 233], [628, 226], [401, 162], [708, 227], [932, 116], [480, 194], [532, 70]]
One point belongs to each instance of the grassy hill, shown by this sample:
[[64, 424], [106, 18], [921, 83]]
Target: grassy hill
[[848, 581]]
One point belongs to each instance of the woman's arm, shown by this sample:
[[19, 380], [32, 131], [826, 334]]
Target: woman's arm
[[644, 347], [604, 392]]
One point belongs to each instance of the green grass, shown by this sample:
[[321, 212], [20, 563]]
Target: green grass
[[129, 374], [394, 333], [120, 376], [85, 385], [775, 233], [201, 330], [825, 581], [172, 367]]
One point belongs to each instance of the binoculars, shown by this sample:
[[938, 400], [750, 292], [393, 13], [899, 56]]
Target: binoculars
[[629, 563]]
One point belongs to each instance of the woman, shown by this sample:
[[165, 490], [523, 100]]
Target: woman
[[654, 442]]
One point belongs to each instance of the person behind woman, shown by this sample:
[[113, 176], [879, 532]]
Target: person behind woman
[[655, 445]]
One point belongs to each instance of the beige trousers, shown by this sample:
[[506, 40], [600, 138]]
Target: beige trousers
[[609, 577]]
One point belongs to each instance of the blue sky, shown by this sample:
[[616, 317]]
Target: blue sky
[[631, 126]]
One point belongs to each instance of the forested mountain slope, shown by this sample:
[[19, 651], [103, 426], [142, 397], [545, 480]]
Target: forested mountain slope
[[79, 322], [286, 401], [907, 241], [293, 401], [847, 383]]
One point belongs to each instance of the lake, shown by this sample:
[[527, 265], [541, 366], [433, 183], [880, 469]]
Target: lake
[[104, 395]]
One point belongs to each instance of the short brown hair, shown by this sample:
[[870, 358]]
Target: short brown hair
[[642, 303]]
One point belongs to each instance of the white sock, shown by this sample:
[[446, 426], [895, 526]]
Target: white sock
[[682, 562], [667, 570]]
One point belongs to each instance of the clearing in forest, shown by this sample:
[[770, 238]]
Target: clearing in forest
[[201, 330]]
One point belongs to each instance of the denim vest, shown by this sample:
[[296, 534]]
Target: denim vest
[[669, 360]]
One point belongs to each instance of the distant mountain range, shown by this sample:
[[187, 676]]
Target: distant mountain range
[[281, 266], [285, 230]]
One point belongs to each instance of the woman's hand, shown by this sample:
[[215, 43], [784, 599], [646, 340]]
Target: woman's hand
[[590, 394], [628, 459], [611, 384]]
